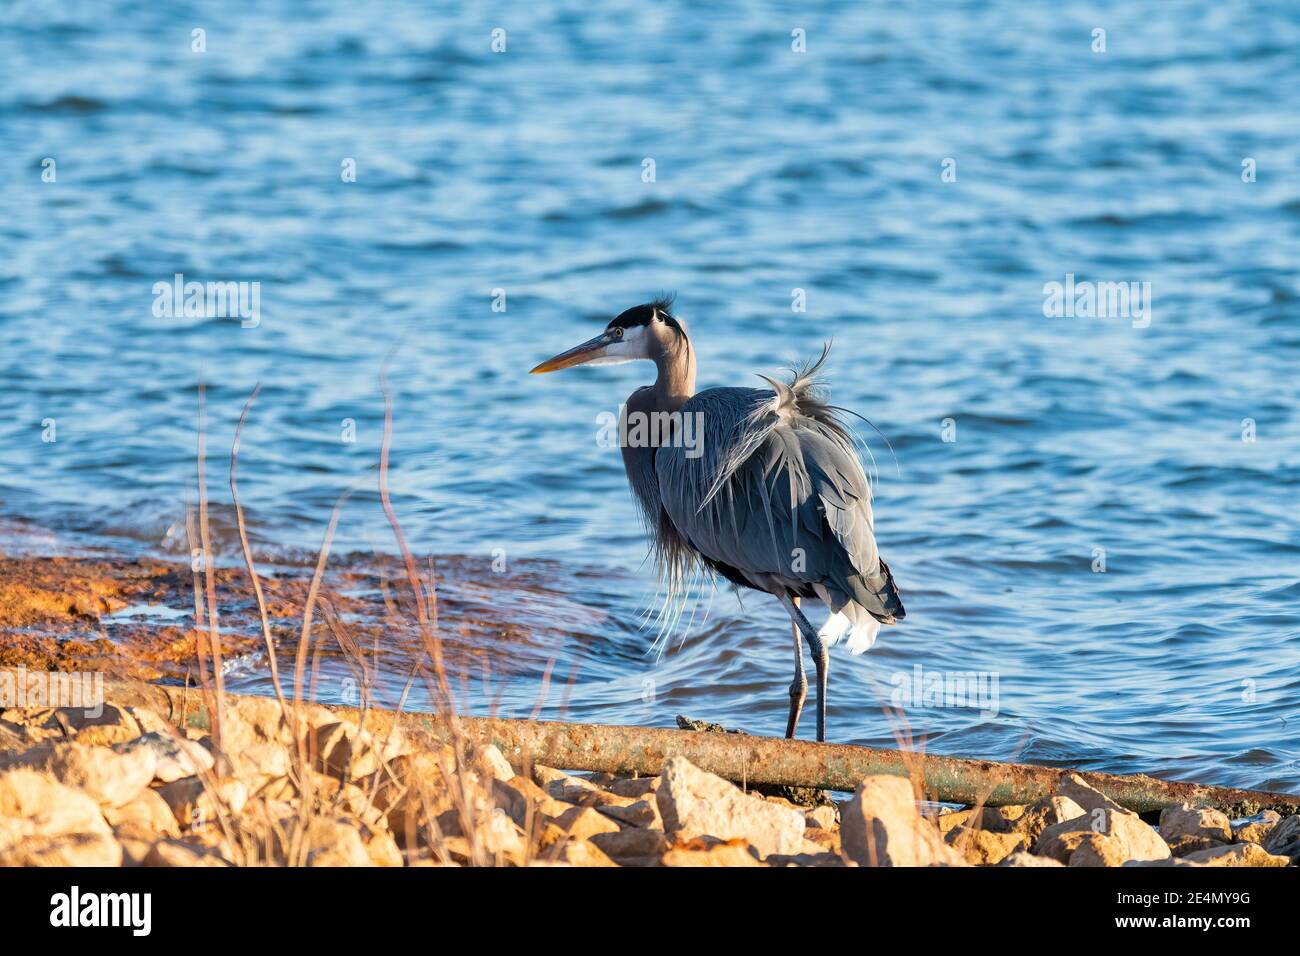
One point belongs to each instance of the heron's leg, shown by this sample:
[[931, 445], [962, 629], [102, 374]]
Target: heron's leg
[[821, 657], [821, 661], [799, 687]]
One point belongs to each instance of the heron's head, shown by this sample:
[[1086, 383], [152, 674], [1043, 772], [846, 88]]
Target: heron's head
[[649, 331]]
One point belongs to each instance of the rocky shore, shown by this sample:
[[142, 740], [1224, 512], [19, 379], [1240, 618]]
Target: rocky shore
[[298, 785]]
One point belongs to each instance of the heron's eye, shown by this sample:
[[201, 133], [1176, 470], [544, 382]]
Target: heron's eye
[[618, 332]]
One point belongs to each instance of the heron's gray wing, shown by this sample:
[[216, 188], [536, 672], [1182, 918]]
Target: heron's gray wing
[[775, 491]]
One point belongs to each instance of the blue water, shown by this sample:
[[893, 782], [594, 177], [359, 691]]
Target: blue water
[[774, 171]]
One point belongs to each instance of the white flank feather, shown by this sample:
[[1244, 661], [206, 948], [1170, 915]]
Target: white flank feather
[[836, 626], [864, 632]]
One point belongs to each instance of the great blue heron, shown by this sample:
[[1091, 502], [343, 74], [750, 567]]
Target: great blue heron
[[763, 487]]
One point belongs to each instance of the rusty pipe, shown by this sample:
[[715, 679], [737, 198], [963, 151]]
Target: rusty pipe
[[758, 760]]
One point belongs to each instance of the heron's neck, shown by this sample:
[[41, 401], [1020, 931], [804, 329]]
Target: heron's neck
[[676, 380]]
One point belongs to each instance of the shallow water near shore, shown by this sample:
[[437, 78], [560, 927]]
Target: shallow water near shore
[[1077, 440]]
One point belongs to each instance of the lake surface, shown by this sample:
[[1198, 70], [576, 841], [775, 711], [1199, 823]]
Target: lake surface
[[1081, 442]]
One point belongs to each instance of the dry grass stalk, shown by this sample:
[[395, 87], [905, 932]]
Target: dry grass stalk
[[209, 572], [248, 551], [287, 841]]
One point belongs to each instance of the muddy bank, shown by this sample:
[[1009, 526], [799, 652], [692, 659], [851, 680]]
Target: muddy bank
[[135, 618], [65, 613]]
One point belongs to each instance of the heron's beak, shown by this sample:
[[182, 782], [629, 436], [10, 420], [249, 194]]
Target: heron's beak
[[586, 352]]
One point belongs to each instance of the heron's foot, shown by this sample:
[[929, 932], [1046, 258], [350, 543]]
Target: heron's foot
[[798, 694]]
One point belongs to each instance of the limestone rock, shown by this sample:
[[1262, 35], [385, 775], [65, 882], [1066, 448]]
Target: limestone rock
[[581, 853], [35, 804], [633, 847], [1238, 854], [576, 790], [642, 813], [1234, 854], [149, 811], [1022, 858], [1105, 834], [344, 751], [827, 840], [336, 842], [1112, 838], [278, 788], [489, 758], [1284, 839], [984, 847], [16, 736], [1085, 794], [194, 804], [380, 847], [111, 776], [1003, 819], [703, 851], [269, 831], [1189, 821], [168, 852], [13, 737], [487, 831], [149, 722], [261, 763], [253, 720], [213, 837], [694, 803], [1183, 845], [415, 788], [635, 787], [1096, 850], [501, 837], [949, 820], [1255, 829], [825, 859], [45, 823], [582, 823], [880, 826], [136, 840], [1043, 813], [66, 849], [35, 717], [821, 818], [519, 797], [353, 800], [113, 725], [544, 776], [77, 719], [175, 757]]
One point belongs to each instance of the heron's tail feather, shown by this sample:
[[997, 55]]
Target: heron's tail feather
[[890, 599]]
